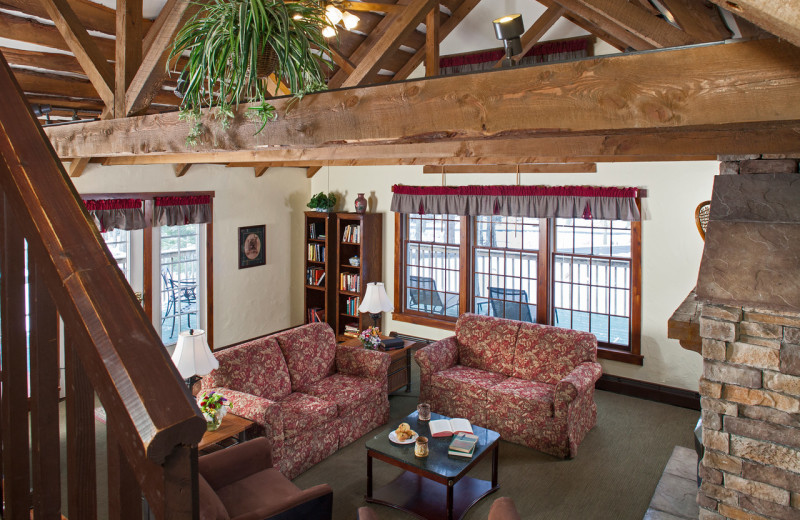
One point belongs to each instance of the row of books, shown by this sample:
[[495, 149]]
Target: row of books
[[316, 315], [351, 330], [351, 306], [316, 252], [352, 234], [350, 282], [315, 275], [312, 232], [463, 445]]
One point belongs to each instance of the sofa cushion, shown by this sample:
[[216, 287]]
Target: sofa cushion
[[256, 368], [519, 396], [467, 382], [309, 351], [486, 343], [547, 354], [302, 411], [348, 392]]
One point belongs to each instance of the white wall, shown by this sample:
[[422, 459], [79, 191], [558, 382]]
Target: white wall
[[671, 246], [247, 302]]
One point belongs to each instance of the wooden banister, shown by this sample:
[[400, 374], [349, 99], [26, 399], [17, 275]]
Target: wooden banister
[[114, 348]]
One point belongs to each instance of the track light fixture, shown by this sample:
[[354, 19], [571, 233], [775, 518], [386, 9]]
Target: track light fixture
[[509, 29]]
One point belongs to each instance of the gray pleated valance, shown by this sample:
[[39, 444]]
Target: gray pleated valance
[[179, 211], [110, 214], [586, 202]]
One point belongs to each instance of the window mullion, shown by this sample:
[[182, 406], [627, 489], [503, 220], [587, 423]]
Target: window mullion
[[543, 297], [466, 280]]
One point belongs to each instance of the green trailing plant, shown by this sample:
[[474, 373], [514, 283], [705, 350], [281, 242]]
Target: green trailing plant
[[322, 202], [224, 41]]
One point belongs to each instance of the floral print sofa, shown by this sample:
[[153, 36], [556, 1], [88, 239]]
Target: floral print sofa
[[534, 384], [308, 395]]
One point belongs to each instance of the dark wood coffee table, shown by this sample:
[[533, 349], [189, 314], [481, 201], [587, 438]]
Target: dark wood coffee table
[[435, 487]]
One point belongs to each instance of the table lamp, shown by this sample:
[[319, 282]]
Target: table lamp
[[192, 356], [375, 302]]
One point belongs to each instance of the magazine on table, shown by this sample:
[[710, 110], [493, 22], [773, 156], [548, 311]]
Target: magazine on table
[[448, 427]]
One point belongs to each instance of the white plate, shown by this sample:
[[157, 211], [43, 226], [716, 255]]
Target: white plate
[[394, 439]]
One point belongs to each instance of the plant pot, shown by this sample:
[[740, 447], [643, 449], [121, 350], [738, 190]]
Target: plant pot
[[322, 210], [266, 63]]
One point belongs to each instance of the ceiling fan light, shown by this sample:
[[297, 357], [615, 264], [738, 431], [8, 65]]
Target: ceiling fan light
[[350, 20], [328, 31], [333, 14]]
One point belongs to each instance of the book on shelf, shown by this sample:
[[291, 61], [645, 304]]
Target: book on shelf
[[463, 442], [350, 282], [313, 234], [352, 234], [315, 315], [448, 427], [351, 330], [316, 252], [315, 275], [351, 306]]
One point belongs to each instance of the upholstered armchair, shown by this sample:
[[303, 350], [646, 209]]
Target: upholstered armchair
[[502, 508], [240, 483]]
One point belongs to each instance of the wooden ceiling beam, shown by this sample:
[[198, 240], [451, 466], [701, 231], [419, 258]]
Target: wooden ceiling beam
[[372, 6], [181, 169], [511, 168], [779, 18], [129, 50], [628, 22], [700, 19], [384, 39], [445, 28], [93, 16], [311, 171], [260, 170], [42, 60], [32, 31], [737, 86], [432, 42], [536, 31], [152, 71], [92, 60]]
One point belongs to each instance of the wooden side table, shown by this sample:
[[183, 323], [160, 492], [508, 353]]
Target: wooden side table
[[232, 426], [400, 365]]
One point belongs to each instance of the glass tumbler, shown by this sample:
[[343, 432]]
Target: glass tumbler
[[421, 447], [424, 412]]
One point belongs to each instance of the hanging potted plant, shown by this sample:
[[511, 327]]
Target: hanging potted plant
[[234, 44]]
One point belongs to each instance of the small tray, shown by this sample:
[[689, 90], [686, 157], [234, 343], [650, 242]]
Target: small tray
[[394, 439]]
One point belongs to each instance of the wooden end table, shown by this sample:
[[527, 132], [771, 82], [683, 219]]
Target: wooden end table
[[400, 365], [232, 426]]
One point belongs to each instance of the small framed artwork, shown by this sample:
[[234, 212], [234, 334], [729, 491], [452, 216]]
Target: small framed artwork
[[251, 246]]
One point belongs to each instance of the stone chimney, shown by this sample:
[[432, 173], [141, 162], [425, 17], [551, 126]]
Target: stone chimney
[[749, 322]]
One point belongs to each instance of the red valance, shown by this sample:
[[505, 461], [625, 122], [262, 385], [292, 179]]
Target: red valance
[[587, 202], [183, 201], [495, 55], [102, 204]]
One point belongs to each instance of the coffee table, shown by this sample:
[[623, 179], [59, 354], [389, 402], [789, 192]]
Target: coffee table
[[435, 487]]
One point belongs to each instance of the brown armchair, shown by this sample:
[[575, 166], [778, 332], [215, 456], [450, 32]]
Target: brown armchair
[[502, 509], [239, 483]]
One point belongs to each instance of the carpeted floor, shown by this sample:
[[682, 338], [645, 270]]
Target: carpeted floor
[[614, 475]]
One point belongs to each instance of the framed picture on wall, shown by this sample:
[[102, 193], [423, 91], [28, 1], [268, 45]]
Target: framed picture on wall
[[251, 246]]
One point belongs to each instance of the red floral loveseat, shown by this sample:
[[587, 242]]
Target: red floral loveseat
[[308, 395], [534, 384]]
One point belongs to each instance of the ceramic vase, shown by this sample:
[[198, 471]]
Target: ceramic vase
[[361, 203]]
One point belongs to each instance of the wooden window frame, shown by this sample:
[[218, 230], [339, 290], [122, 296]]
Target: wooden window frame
[[630, 355]]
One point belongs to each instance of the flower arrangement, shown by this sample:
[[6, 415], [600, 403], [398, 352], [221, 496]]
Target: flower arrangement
[[370, 337], [214, 407]]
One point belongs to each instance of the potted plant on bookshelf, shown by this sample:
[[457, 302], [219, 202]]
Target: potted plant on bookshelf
[[322, 202], [234, 45]]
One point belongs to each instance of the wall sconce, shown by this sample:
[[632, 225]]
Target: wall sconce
[[509, 29], [335, 13]]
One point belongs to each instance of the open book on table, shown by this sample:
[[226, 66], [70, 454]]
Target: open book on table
[[447, 427]]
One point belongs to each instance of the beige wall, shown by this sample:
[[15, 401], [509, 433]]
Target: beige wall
[[671, 246], [247, 302]]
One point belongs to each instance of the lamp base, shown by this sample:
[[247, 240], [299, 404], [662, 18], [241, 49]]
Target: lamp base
[[376, 319]]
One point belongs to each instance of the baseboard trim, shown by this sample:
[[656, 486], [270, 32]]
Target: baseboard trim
[[650, 391]]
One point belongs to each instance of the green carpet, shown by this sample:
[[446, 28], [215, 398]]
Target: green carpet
[[613, 476]]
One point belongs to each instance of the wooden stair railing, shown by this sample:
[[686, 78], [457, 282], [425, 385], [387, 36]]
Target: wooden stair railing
[[111, 350]]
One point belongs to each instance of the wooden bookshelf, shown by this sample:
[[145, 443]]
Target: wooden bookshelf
[[320, 269], [357, 235]]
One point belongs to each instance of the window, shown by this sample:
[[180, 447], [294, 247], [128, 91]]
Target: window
[[118, 242], [180, 269], [572, 273]]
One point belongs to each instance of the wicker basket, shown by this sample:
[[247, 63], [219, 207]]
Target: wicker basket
[[266, 63]]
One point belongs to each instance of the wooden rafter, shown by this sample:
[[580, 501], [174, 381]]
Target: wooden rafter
[[260, 170], [511, 168], [432, 42], [536, 31], [181, 169], [129, 50], [699, 19], [629, 23], [151, 74], [311, 171], [43, 60], [372, 6], [780, 18], [383, 39], [83, 47], [93, 16]]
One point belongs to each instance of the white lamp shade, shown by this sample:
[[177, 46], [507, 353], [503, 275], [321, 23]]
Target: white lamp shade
[[375, 299], [350, 20], [333, 14], [328, 31], [192, 355]]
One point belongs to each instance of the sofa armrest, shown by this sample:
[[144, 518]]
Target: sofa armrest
[[580, 381], [437, 356], [235, 463], [357, 361], [262, 411], [311, 504]]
